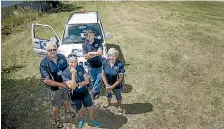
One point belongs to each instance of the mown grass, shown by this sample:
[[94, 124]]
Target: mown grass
[[174, 52]]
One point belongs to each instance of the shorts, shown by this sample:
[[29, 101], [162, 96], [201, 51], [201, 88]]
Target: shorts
[[86, 101], [117, 93], [58, 97]]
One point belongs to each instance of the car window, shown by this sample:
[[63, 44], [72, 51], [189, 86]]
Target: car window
[[75, 33]]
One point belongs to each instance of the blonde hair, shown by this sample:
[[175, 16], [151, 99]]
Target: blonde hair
[[49, 44], [113, 51]]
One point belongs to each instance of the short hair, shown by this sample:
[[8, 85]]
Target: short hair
[[49, 44], [113, 51], [88, 32]]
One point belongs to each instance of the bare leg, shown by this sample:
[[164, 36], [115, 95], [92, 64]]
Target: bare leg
[[66, 105], [91, 117], [81, 121], [56, 113], [120, 107], [119, 104], [108, 101], [91, 112], [81, 114]]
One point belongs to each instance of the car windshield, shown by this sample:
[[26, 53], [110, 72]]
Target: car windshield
[[75, 33]]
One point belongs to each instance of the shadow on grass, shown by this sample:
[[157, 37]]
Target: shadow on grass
[[136, 108], [66, 8], [127, 88], [121, 57], [109, 120], [24, 102]]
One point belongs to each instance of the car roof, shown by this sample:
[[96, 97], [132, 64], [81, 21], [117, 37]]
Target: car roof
[[83, 17]]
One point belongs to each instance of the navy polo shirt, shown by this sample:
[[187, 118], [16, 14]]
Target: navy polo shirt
[[79, 92], [95, 62], [112, 74], [51, 70]]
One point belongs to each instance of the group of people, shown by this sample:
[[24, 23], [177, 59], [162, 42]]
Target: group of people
[[67, 80]]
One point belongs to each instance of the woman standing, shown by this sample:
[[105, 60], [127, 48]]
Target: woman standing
[[77, 79], [112, 75]]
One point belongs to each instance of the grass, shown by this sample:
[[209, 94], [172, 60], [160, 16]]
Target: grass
[[174, 52], [13, 18]]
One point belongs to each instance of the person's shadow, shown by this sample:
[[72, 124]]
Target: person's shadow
[[136, 108], [106, 118], [109, 120]]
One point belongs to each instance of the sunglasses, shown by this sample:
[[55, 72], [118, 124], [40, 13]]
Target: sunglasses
[[72, 55], [112, 55], [52, 50]]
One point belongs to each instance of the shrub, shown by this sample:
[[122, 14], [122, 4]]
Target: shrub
[[16, 18]]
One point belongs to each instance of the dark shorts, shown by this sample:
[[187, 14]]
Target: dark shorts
[[117, 93], [58, 97], [86, 101]]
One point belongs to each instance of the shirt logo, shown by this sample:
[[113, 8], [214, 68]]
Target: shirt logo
[[115, 67], [96, 45], [61, 61]]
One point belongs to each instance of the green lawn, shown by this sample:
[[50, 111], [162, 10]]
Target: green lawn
[[173, 53]]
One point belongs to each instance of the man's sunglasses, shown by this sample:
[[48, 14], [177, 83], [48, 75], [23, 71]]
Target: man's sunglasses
[[52, 50]]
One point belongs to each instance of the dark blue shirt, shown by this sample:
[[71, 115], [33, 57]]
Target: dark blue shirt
[[112, 74], [95, 62], [79, 91], [51, 70]]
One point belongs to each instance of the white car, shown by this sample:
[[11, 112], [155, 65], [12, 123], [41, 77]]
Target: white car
[[73, 37]]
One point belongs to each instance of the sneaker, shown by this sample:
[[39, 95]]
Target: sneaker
[[120, 111], [81, 123], [58, 124], [71, 114], [95, 123], [95, 95]]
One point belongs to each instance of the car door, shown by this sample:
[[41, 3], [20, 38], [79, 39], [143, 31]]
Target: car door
[[41, 34]]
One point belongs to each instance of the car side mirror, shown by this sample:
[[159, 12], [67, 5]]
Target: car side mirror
[[108, 35]]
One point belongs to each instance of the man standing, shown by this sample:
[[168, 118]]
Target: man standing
[[92, 50], [51, 68]]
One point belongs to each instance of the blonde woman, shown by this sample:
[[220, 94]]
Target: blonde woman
[[112, 75], [77, 79]]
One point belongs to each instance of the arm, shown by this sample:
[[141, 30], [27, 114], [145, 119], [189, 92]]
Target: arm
[[88, 56], [99, 52], [46, 77], [104, 78], [86, 81], [54, 83], [121, 76], [72, 83]]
